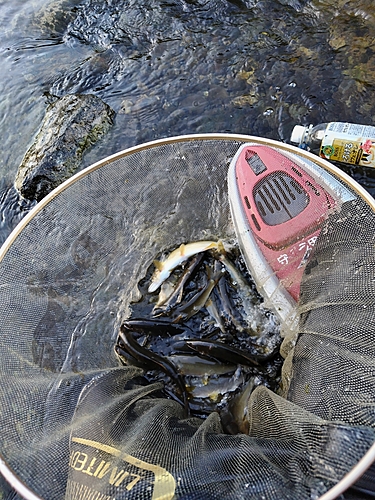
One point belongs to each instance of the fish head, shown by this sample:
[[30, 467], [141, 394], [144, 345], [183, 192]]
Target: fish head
[[160, 275]]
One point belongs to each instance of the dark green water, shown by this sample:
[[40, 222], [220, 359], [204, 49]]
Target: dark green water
[[183, 66]]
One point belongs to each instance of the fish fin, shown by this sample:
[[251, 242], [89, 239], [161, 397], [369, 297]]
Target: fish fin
[[208, 302], [213, 244], [220, 247], [182, 249], [158, 264]]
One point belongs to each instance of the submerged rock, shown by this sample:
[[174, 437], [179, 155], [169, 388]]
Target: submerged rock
[[71, 124]]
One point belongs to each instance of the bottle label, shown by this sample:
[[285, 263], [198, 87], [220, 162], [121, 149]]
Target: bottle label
[[349, 143]]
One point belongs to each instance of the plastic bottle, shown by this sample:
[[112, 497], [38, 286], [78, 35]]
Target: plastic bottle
[[343, 142]]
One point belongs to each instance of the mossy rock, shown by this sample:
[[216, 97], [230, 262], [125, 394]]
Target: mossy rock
[[71, 125]]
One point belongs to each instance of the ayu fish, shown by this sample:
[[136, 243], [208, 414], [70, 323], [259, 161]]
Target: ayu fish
[[244, 290], [198, 301], [149, 359], [171, 294], [176, 258]]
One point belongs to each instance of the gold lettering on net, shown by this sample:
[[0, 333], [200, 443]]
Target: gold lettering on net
[[78, 461], [164, 484]]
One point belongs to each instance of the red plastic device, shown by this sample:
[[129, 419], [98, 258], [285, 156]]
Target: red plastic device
[[284, 208]]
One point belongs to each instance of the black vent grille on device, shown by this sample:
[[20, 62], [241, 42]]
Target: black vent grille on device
[[279, 198]]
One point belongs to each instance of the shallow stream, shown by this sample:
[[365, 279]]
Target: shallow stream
[[177, 67], [183, 66]]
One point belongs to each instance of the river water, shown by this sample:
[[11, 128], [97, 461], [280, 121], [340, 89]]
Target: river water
[[183, 66], [176, 67]]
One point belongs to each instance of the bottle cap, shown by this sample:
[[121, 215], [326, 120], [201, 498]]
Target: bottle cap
[[298, 134]]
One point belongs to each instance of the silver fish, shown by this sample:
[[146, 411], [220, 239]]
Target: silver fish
[[252, 313], [215, 314], [191, 365], [198, 301], [175, 291], [238, 406], [175, 259]]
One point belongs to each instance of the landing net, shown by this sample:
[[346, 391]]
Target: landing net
[[77, 424]]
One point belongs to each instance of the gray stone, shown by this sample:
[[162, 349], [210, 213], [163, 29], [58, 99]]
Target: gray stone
[[71, 125]]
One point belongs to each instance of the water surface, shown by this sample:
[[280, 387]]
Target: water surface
[[176, 67], [183, 66]]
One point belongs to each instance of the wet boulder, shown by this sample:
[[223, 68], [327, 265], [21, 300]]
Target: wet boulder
[[71, 125]]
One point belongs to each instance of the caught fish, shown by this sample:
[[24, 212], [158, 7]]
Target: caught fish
[[217, 389], [230, 312], [166, 290], [198, 301], [200, 328], [236, 416], [176, 258], [149, 359], [190, 365], [243, 288], [155, 326], [215, 314], [167, 303], [225, 353]]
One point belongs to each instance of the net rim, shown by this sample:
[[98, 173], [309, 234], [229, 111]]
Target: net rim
[[366, 461], [173, 140], [15, 482]]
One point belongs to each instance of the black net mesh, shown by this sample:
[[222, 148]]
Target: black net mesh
[[77, 425]]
